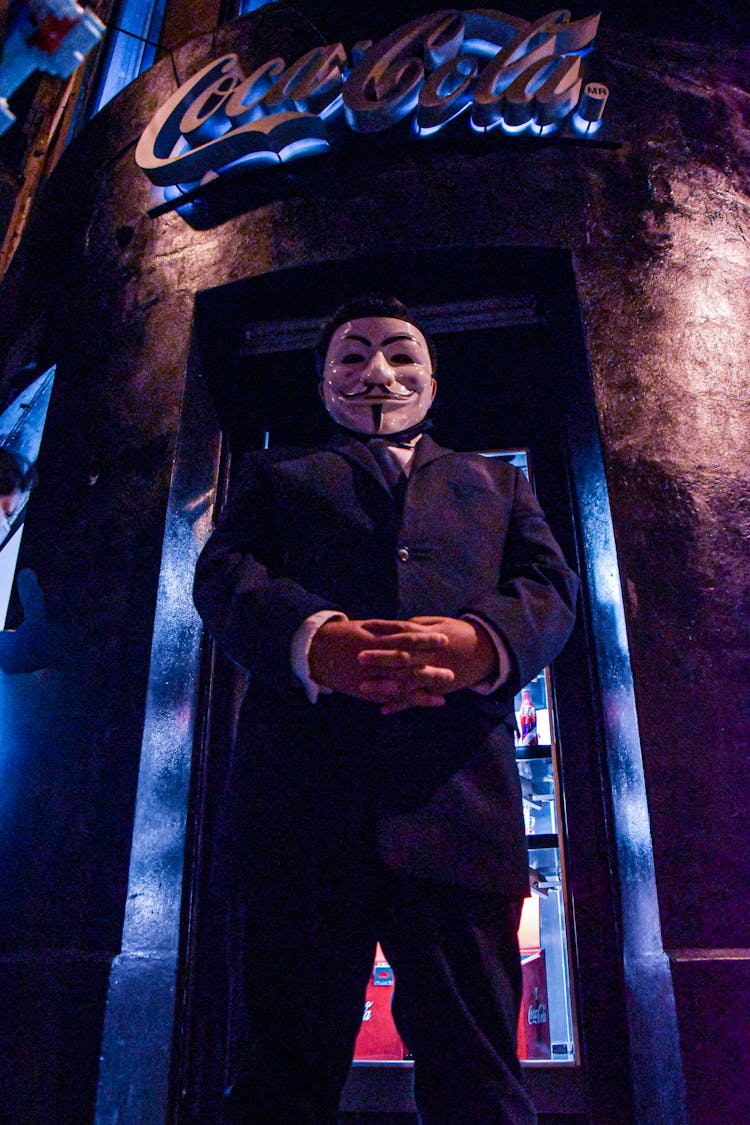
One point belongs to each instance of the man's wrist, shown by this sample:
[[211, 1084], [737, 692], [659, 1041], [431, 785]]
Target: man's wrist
[[500, 660], [300, 650]]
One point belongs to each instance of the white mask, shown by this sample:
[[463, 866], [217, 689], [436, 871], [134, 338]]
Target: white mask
[[377, 377]]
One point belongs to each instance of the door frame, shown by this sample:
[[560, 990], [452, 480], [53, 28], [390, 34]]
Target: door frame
[[150, 1054]]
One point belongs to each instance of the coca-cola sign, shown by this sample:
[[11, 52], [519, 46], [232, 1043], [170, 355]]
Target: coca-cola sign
[[537, 1010], [499, 71]]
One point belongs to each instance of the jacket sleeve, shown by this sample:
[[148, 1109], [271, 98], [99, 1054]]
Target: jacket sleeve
[[240, 592], [534, 608]]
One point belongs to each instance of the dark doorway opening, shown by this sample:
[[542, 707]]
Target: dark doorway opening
[[512, 372]]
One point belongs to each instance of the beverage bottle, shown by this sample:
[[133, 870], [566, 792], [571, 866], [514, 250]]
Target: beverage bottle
[[527, 720]]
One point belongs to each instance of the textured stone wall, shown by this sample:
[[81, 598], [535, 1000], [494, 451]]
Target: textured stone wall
[[658, 228]]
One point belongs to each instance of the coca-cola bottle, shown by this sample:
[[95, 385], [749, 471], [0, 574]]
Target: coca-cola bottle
[[527, 720]]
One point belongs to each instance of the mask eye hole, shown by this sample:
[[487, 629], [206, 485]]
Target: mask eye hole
[[401, 359], [351, 358]]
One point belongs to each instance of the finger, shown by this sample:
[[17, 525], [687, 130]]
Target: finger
[[418, 699], [391, 658], [430, 677], [382, 627], [383, 691], [411, 642], [413, 677], [387, 686]]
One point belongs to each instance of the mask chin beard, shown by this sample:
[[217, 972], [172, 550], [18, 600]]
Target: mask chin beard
[[377, 417]]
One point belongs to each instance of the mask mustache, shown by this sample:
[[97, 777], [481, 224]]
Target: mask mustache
[[371, 391]]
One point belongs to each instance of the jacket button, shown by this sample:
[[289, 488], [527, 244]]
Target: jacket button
[[403, 554]]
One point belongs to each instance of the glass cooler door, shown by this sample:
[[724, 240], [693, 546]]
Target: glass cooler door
[[546, 1025]]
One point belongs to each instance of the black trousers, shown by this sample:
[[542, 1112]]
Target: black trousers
[[304, 955]]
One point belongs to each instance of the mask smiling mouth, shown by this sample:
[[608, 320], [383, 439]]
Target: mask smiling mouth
[[377, 394]]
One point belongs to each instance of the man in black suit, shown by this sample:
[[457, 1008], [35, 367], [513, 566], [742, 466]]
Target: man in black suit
[[389, 598]]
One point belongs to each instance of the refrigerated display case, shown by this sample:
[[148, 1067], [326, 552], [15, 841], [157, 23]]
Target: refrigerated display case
[[546, 1026]]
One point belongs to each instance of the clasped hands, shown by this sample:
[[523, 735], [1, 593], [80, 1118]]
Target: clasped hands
[[402, 664]]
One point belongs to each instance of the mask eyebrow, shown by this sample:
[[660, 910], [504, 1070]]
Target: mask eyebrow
[[360, 339], [399, 336]]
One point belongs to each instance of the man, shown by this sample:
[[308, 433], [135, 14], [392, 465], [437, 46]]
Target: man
[[13, 483], [36, 643], [387, 624]]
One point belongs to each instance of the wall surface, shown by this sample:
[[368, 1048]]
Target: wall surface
[[658, 229]]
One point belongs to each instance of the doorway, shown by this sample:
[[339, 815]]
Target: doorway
[[512, 375]]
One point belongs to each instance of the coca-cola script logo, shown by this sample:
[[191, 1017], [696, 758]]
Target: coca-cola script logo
[[537, 1012], [500, 70]]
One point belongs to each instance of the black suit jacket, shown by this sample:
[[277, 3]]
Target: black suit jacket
[[435, 791]]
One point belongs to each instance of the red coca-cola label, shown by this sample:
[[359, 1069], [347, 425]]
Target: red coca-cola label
[[527, 721]]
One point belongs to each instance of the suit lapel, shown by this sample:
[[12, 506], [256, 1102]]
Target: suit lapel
[[426, 451], [359, 454]]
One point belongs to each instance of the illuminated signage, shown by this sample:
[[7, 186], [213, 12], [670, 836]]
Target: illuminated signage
[[500, 71]]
